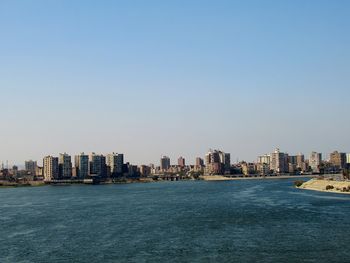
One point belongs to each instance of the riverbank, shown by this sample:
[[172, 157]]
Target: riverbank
[[324, 185], [224, 178], [7, 184]]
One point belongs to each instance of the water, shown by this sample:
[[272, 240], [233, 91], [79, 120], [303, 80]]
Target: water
[[232, 221]]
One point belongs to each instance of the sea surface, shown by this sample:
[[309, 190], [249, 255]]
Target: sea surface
[[188, 221]]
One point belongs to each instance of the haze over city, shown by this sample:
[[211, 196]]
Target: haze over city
[[147, 78]]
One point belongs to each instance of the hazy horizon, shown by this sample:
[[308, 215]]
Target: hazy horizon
[[152, 78]]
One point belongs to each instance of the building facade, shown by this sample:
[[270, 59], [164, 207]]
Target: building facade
[[337, 159], [264, 159], [181, 162], [315, 161], [115, 163], [164, 163], [217, 162], [31, 166], [82, 165], [97, 165], [65, 166], [279, 162], [50, 168]]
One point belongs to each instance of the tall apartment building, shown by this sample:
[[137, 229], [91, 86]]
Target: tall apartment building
[[115, 163], [293, 160], [227, 162], [65, 166], [30, 166], [264, 159], [181, 162], [97, 165], [300, 161], [50, 168], [144, 170], [199, 162], [315, 161], [82, 165], [164, 163], [217, 162], [279, 162], [337, 159]]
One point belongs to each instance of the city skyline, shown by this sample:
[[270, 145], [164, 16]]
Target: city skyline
[[176, 79], [111, 158]]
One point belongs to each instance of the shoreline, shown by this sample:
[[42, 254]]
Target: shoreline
[[223, 178], [326, 186]]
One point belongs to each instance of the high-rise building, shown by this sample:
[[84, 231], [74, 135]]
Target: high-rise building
[[293, 160], [144, 170], [227, 162], [315, 161], [199, 162], [217, 162], [65, 166], [337, 159], [164, 163], [300, 160], [348, 158], [50, 168], [264, 159], [82, 165], [30, 166], [97, 165], [111, 161], [115, 163], [181, 162], [279, 162]]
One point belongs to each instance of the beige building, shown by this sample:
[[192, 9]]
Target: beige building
[[337, 159], [50, 168], [315, 161], [279, 162], [264, 159]]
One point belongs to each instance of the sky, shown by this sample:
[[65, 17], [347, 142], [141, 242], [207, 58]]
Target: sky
[[176, 78]]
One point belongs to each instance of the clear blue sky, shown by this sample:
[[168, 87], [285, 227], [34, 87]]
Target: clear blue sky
[[173, 77]]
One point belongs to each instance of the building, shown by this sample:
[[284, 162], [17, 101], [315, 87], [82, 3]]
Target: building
[[348, 158], [50, 168], [279, 162], [264, 159], [198, 167], [115, 163], [337, 159], [39, 172], [82, 165], [164, 163], [217, 162], [248, 168], [144, 170], [315, 161], [199, 162], [293, 160], [227, 162], [65, 166], [181, 162], [263, 168], [30, 167], [97, 165], [300, 161]]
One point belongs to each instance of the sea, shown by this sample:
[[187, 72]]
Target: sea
[[184, 221]]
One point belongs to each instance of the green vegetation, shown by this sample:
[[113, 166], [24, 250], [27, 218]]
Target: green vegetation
[[329, 187], [298, 183]]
